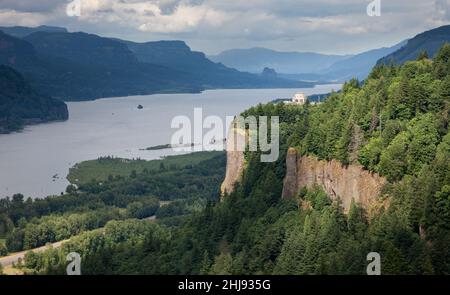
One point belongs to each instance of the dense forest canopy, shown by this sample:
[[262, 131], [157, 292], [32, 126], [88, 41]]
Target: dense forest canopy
[[395, 123], [20, 104], [185, 188]]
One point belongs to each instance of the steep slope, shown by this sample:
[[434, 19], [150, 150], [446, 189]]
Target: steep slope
[[174, 54], [20, 104], [360, 65], [429, 41], [256, 59], [346, 183], [385, 142], [254, 231]]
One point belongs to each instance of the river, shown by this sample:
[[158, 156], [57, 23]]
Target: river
[[36, 161]]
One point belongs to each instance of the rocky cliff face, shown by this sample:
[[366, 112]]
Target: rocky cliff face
[[235, 167], [338, 181], [235, 161]]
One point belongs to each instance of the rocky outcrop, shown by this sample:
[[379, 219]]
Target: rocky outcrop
[[290, 185], [235, 161], [338, 181], [235, 168]]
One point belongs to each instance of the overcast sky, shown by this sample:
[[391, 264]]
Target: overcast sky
[[326, 26]]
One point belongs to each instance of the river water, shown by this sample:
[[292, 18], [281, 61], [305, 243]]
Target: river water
[[36, 161]]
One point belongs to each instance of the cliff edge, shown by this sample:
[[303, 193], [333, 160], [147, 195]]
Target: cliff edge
[[235, 160], [338, 181]]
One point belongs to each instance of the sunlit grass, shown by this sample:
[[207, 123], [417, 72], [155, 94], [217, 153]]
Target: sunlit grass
[[101, 169]]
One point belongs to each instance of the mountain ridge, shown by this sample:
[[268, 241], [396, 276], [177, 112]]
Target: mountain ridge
[[178, 55], [82, 66], [21, 31], [359, 65], [307, 66], [257, 58], [429, 41]]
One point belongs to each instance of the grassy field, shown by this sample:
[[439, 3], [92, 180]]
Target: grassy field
[[102, 168]]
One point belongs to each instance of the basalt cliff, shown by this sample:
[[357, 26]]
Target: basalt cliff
[[235, 160], [338, 181]]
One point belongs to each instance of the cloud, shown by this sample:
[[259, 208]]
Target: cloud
[[442, 12], [323, 25], [16, 18], [31, 5], [153, 16]]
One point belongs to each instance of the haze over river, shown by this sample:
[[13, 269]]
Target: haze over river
[[36, 161]]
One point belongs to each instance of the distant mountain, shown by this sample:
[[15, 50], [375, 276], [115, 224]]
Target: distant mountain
[[82, 48], [16, 52], [268, 72], [430, 41], [20, 104], [360, 65], [21, 32], [306, 66], [256, 59], [82, 71], [356, 66], [81, 66], [177, 55], [77, 66]]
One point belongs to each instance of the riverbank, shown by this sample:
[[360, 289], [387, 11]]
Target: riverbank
[[112, 127]]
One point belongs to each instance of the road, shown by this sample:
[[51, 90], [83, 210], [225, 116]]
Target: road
[[14, 258]]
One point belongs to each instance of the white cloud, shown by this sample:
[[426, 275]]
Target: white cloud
[[152, 16], [217, 24], [17, 18], [184, 18]]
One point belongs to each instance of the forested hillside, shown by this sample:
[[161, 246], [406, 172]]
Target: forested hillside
[[184, 184], [430, 42], [396, 124], [20, 104]]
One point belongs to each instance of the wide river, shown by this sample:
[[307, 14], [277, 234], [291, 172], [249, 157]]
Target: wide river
[[36, 161]]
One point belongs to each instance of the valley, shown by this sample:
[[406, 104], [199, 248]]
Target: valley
[[362, 143], [320, 226], [112, 127]]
